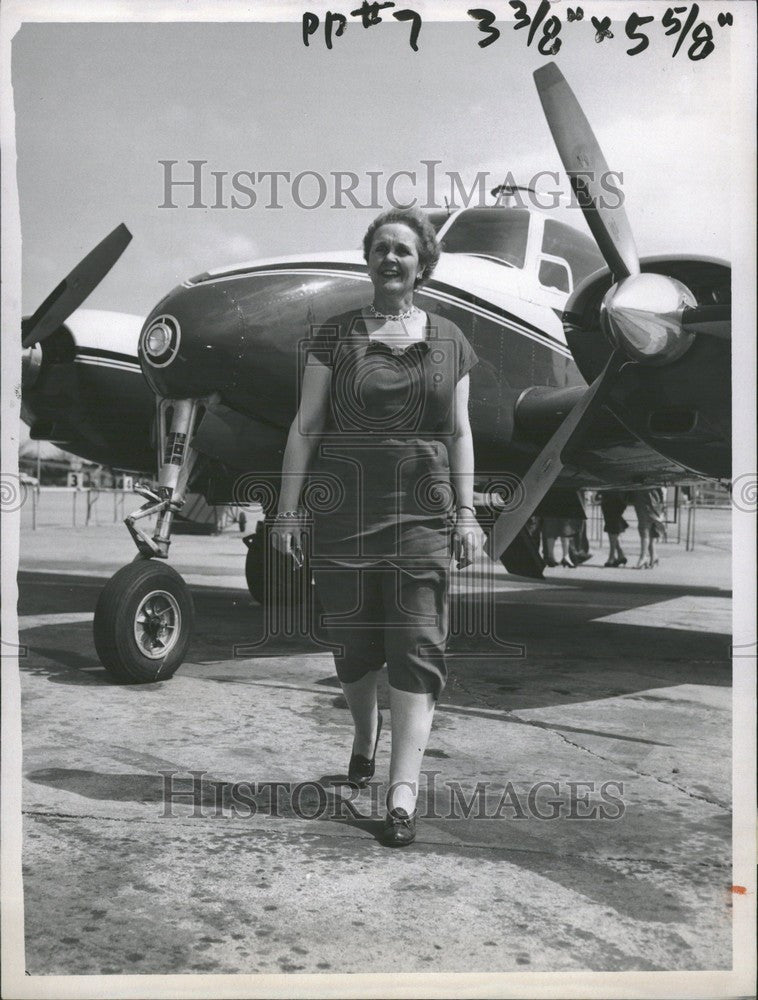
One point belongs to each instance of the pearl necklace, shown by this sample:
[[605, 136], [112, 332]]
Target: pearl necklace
[[396, 316]]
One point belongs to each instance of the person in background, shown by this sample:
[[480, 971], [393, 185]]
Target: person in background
[[613, 505], [649, 506], [579, 545], [564, 528], [563, 517]]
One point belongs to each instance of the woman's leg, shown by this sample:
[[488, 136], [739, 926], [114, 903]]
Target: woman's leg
[[412, 715], [644, 542], [651, 548], [613, 553], [417, 601], [361, 700], [566, 559], [549, 549], [355, 596]]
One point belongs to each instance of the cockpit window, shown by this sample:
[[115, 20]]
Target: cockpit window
[[494, 232], [579, 251]]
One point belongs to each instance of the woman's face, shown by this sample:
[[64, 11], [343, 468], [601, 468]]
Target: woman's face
[[393, 261]]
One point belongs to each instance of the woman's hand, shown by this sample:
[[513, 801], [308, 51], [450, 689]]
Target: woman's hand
[[287, 537], [468, 538]]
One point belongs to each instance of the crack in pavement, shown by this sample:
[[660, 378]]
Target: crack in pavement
[[628, 767]]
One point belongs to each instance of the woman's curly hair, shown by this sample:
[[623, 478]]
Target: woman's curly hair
[[426, 238]]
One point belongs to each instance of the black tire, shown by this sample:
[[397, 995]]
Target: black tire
[[270, 575], [157, 592]]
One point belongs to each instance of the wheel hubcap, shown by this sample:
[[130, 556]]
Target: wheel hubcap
[[157, 624]]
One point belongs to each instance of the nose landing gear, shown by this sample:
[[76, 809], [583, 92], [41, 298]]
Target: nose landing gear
[[144, 616]]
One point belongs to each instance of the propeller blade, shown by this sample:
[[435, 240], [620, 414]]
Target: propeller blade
[[75, 288], [546, 467], [585, 165], [713, 320]]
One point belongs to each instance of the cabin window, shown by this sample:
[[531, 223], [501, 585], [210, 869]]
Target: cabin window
[[555, 274], [579, 251]]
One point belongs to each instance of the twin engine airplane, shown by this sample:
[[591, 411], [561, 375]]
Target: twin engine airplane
[[597, 369]]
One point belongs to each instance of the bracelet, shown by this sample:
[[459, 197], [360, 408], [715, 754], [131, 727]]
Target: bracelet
[[466, 507]]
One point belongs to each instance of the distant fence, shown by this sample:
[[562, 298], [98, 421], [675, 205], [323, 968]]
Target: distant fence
[[76, 507], [82, 507], [66, 506]]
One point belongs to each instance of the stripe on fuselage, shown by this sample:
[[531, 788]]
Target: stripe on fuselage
[[441, 291], [107, 359]]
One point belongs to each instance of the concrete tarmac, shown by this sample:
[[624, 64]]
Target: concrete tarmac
[[576, 813]]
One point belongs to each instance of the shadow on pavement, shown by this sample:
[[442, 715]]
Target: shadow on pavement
[[540, 651]]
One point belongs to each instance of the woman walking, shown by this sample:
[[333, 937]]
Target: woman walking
[[383, 418], [613, 506], [651, 523]]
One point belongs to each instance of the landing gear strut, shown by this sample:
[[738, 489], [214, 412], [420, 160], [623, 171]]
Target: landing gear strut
[[145, 616]]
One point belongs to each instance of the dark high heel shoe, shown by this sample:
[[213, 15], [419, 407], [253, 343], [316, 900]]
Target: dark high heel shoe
[[567, 563], [399, 828], [361, 769], [621, 561]]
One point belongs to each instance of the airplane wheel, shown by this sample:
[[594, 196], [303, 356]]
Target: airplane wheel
[[143, 622], [270, 575]]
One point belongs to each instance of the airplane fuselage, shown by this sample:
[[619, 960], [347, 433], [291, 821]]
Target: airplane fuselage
[[235, 339]]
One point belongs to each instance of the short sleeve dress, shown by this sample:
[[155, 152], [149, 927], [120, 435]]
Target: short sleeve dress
[[380, 483], [382, 501]]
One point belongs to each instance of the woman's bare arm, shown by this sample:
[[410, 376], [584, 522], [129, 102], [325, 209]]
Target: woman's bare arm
[[468, 537], [460, 448], [305, 433]]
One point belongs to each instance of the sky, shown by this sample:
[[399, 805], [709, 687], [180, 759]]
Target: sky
[[98, 106]]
